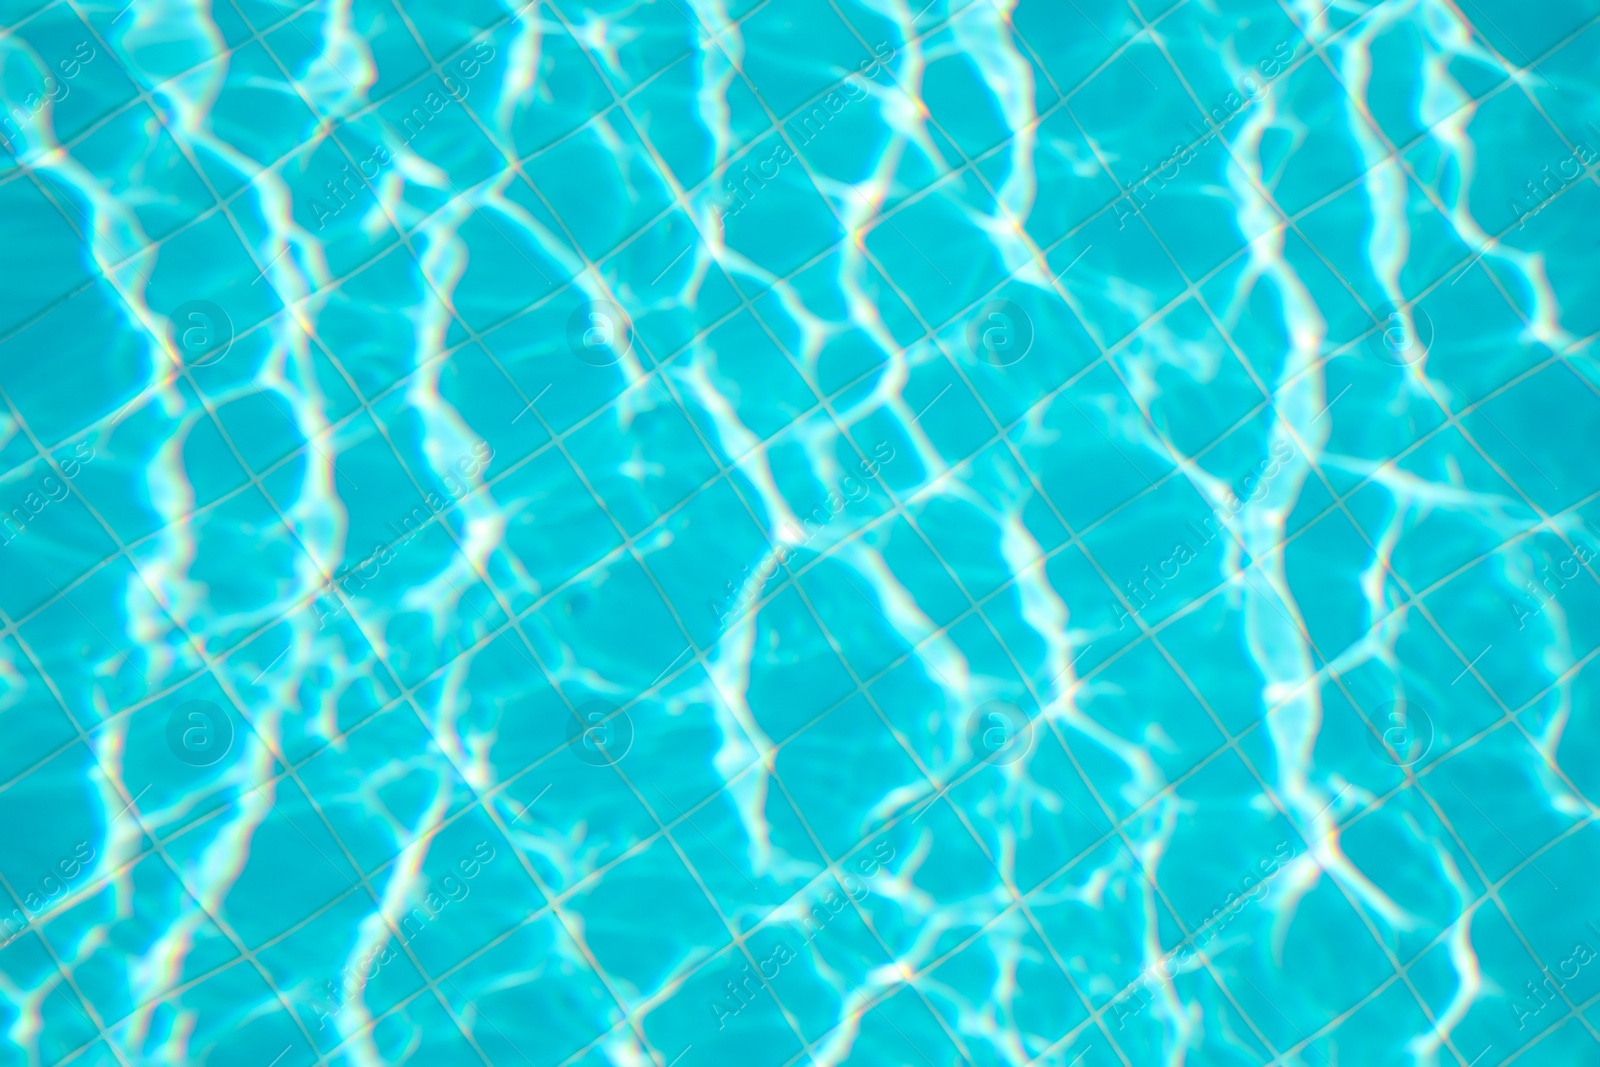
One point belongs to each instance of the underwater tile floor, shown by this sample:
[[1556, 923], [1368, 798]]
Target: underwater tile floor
[[778, 532]]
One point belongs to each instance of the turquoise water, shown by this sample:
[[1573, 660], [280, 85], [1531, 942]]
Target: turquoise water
[[712, 532]]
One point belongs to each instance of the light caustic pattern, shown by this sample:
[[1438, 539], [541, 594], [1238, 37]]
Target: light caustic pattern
[[799, 532]]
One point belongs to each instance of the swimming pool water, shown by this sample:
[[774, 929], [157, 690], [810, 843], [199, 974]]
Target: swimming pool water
[[744, 532]]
